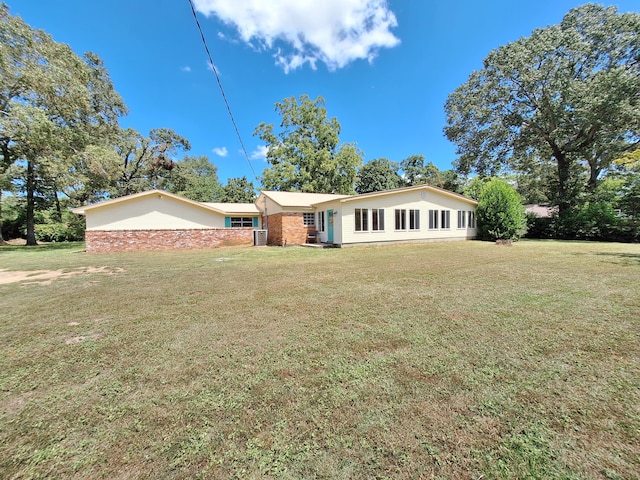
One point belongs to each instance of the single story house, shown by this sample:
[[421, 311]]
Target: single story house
[[158, 220], [411, 214]]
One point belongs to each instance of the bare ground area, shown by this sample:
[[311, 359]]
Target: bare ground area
[[46, 277]]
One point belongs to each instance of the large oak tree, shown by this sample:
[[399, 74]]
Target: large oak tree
[[304, 156], [569, 93], [53, 103]]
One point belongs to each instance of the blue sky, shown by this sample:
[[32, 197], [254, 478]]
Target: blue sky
[[385, 68]]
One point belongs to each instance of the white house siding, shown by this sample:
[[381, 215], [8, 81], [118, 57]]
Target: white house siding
[[156, 212], [337, 223], [405, 201]]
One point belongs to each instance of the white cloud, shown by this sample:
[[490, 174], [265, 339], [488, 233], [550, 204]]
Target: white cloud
[[186, 69], [259, 153], [221, 151], [335, 32]]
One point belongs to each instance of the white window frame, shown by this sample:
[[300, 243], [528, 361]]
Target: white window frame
[[361, 214], [309, 219], [241, 222], [445, 219], [321, 221], [434, 216], [402, 219], [414, 217], [377, 219], [462, 219]]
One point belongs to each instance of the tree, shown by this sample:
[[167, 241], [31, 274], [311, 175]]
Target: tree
[[568, 92], [377, 175], [195, 178], [144, 162], [304, 156], [414, 170], [500, 212], [239, 190], [417, 173], [54, 105]]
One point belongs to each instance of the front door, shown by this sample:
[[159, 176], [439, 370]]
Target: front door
[[330, 228]]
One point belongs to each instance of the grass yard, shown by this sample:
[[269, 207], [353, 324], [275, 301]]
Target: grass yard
[[444, 360]]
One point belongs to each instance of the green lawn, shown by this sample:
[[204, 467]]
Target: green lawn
[[445, 360]]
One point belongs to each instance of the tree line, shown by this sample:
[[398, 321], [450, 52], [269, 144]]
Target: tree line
[[556, 115], [61, 144]]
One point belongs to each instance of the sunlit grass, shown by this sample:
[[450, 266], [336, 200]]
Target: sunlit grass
[[446, 360]]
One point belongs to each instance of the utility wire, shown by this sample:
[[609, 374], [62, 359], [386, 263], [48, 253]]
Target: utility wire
[[224, 97]]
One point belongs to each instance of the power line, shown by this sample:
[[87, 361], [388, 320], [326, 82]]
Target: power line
[[224, 97]]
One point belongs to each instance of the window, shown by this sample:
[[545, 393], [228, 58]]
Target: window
[[309, 219], [401, 219], [445, 217], [414, 219], [433, 219], [377, 219], [241, 222], [362, 217], [462, 219], [472, 219], [321, 221]]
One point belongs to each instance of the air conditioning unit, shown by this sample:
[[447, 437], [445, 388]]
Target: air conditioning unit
[[259, 238]]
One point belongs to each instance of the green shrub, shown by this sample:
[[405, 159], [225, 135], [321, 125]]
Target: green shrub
[[58, 232], [596, 220], [500, 212]]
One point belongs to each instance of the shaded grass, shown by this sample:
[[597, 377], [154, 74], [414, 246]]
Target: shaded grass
[[455, 360]]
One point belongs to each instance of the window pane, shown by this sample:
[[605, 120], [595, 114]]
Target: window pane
[[308, 219], [361, 220], [433, 219], [414, 219]]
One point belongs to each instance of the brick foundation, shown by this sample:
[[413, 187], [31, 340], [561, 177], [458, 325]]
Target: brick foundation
[[110, 241], [287, 229]]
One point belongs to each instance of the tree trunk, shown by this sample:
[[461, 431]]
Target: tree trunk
[[2, 242], [57, 200], [564, 202], [594, 173], [31, 231]]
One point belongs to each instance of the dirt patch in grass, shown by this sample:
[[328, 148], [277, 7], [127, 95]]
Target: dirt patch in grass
[[81, 338], [46, 277]]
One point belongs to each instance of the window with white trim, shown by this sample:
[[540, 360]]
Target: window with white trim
[[462, 219], [241, 222], [414, 219], [401, 219], [321, 221], [445, 219], [472, 219], [309, 219], [362, 219], [377, 219], [433, 219]]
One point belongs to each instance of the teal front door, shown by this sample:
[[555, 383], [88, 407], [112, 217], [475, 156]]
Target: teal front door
[[330, 228]]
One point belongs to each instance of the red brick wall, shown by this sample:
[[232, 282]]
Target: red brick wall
[[287, 229], [109, 241]]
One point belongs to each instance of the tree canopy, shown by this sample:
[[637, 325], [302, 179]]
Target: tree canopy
[[195, 178], [304, 156], [379, 174], [568, 93], [54, 106], [239, 190]]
